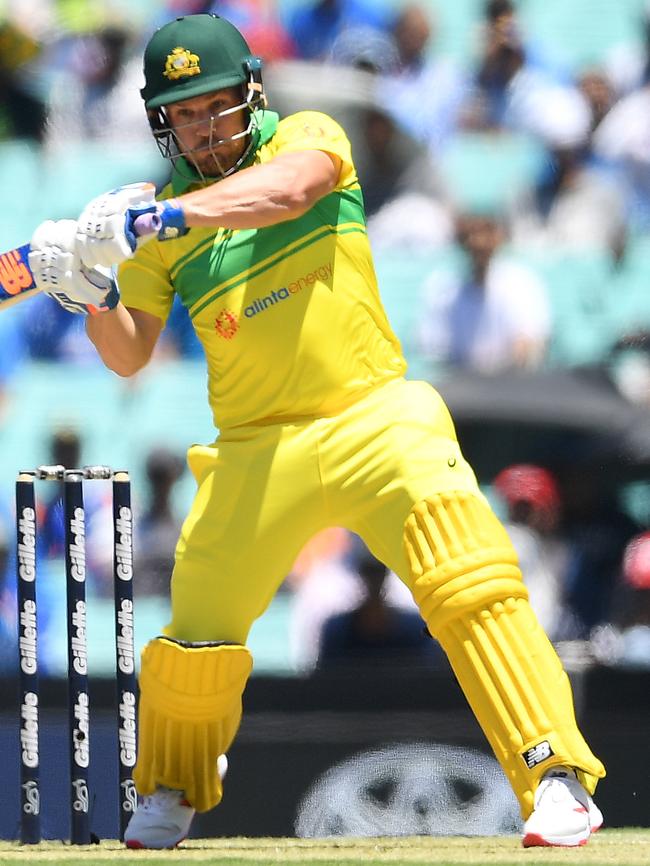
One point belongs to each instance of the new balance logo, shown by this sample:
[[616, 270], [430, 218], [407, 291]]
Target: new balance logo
[[537, 754]]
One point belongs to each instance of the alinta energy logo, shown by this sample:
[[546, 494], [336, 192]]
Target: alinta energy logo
[[226, 324], [322, 274]]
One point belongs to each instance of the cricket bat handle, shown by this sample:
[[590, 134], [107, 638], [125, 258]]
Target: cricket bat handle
[[146, 224]]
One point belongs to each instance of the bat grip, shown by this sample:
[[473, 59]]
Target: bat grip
[[146, 224]]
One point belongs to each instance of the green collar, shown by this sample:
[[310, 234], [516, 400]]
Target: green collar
[[187, 177]]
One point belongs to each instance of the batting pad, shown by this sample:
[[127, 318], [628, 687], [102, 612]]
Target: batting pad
[[190, 709], [471, 594]]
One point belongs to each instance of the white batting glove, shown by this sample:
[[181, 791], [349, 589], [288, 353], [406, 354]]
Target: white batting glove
[[105, 229], [58, 271]]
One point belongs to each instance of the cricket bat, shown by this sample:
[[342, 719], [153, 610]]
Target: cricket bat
[[16, 279]]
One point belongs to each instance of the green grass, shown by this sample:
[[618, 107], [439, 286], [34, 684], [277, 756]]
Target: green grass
[[629, 847]]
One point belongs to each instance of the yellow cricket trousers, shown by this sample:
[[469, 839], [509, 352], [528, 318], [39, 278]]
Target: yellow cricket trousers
[[263, 491]]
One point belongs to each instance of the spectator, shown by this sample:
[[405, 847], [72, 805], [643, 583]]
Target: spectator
[[597, 89], [420, 71], [621, 140], [324, 583], [391, 163], [367, 49], [576, 203], [159, 526], [486, 312], [375, 631], [597, 531], [532, 498], [95, 95], [514, 88], [403, 194], [315, 26]]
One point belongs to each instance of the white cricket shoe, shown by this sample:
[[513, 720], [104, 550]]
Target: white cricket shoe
[[564, 814], [595, 816], [164, 818]]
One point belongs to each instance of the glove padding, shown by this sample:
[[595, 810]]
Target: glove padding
[[58, 270], [105, 233]]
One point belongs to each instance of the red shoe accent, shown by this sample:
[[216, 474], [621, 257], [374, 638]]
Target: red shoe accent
[[134, 844], [533, 840]]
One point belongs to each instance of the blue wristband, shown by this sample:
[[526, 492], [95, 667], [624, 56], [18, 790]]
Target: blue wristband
[[173, 220]]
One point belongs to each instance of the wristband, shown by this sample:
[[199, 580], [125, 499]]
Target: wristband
[[172, 219]]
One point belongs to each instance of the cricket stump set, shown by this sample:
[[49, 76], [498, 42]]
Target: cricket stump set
[[72, 481]]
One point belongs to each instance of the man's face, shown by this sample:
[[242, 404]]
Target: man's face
[[480, 236], [204, 137]]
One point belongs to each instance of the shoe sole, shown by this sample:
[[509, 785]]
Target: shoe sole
[[136, 845], [534, 840]]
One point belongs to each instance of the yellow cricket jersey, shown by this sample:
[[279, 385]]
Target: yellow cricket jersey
[[289, 315]]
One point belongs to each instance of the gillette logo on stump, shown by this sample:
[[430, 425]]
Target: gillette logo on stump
[[29, 730], [27, 640], [126, 733], [27, 545], [124, 644], [78, 639], [77, 546], [124, 544], [82, 730]]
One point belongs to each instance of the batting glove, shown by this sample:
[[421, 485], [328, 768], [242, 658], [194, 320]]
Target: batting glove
[[58, 271], [106, 231]]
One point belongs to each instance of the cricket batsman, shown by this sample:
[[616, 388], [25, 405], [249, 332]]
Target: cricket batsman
[[262, 235]]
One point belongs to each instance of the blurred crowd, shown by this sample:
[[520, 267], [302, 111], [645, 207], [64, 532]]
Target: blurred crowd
[[516, 178], [492, 166]]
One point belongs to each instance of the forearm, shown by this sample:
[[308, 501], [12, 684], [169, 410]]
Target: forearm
[[119, 342], [259, 196]]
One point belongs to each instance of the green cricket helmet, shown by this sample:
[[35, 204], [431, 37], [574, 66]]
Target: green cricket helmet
[[192, 56]]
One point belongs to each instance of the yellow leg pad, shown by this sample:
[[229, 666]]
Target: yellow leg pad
[[190, 709], [471, 594]]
